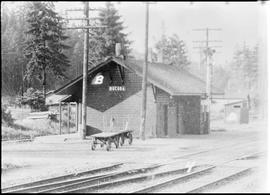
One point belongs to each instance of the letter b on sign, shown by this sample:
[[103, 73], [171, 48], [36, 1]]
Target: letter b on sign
[[98, 79]]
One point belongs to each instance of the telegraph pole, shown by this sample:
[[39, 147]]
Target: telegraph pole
[[144, 81], [86, 19], [85, 68], [209, 69]]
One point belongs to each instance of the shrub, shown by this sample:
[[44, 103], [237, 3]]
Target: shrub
[[33, 98], [6, 116]]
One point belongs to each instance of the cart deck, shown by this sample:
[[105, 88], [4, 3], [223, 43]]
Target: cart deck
[[106, 138]]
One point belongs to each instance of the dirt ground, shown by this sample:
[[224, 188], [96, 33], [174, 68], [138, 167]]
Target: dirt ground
[[44, 159]]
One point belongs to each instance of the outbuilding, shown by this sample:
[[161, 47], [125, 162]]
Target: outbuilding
[[237, 112], [174, 98]]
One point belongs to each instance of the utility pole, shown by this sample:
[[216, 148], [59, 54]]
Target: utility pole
[[208, 51], [85, 68], [86, 19], [144, 81]]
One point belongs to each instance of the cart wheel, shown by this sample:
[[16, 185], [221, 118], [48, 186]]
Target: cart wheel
[[93, 146], [108, 145], [116, 142], [122, 140], [130, 138]]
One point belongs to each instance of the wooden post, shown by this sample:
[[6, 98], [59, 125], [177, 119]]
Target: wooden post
[[85, 68], [144, 81], [68, 117], [208, 82], [76, 117], [60, 117]]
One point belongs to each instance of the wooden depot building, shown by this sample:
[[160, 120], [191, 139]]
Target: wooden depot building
[[174, 98]]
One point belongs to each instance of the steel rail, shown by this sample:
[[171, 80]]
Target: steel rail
[[128, 180], [60, 178], [100, 179], [218, 181], [162, 184]]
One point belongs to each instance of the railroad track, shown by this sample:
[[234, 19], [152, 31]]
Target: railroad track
[[123, 182], [99, 179], [214, 149], [140, 180], [203, 182], [61, 178], [221, 180], [60, 184]]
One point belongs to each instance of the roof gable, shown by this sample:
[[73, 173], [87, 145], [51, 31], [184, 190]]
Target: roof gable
[[171, 79]]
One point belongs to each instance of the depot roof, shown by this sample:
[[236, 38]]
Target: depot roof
[[169, 78]]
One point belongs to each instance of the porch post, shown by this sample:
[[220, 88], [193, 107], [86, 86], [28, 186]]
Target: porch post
[[77, 118], [68, 117], [60, 116]]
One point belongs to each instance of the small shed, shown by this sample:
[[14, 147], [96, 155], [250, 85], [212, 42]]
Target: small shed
[[237, 112]]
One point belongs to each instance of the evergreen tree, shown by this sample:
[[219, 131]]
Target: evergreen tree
[[44, 47], [103, 40], [172, 50], [244, 72], [12, 39]]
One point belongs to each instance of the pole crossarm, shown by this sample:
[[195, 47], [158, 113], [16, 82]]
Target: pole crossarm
[[84, 27], [93, 18], [208, 41], [203, 29], [215, 46], [90, 9]]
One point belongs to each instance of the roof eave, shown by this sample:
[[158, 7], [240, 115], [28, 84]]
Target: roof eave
[[81, 76]]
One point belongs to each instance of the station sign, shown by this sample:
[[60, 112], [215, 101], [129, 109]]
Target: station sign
[[117, 88]]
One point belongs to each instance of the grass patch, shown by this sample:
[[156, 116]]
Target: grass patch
[[31, 128], [9, 133], [218, 130], [23, 128], [28, 129], [8, 166]]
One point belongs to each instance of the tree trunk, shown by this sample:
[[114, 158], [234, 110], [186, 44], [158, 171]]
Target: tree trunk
[[44, 84]]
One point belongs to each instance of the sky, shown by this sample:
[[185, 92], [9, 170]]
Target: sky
[[239, 23]]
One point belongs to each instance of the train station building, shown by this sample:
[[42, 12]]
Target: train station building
[[175, 99]]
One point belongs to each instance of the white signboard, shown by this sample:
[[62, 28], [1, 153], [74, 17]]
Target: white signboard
[[98, 79], [117, 88]]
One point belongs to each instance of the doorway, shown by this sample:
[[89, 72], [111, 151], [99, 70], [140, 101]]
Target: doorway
[[165, 109]]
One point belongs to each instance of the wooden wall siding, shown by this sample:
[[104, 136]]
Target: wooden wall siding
[[180, 115], [172, 120], [191, 114], [162, 96], [204, 124], [185, 119], [99, 96], [129, 109], [160, 120]]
